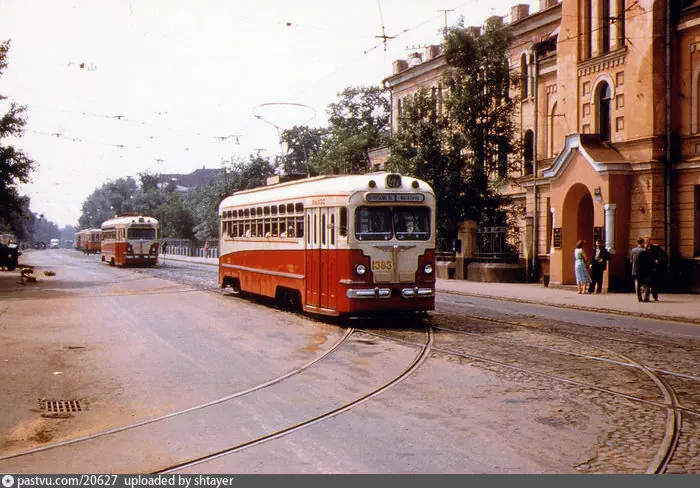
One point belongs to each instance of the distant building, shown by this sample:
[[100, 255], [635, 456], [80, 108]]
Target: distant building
[[611, 145], [199, 178]]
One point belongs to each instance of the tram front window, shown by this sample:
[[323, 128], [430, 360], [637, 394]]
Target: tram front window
[[412, 223], [373, 224], [141, 233]]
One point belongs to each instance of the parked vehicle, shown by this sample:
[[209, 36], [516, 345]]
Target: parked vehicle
[[54, 244], [9, 252]]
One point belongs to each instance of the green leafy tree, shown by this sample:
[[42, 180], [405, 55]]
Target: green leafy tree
[[358, 122], [302, 143], [465, 150], [241, 175], [115, 197], [15, 166]]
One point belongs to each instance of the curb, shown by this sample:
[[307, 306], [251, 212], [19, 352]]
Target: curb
[[663, 318], [176, 258]]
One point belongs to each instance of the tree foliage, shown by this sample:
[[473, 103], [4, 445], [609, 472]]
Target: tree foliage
[[358, 122], [15, 166], [462, 144], [302, 143]]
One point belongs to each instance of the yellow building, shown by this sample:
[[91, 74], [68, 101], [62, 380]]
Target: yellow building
[[610, 123]]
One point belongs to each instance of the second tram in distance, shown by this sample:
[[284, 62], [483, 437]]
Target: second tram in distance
[[333, 244], [130, 241]]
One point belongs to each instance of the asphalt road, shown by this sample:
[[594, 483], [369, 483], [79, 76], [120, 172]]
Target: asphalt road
[[149, 348]]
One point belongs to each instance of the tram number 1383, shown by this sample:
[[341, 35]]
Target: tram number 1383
[[381, 265]]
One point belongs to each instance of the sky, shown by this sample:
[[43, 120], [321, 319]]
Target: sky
[[117, 87]]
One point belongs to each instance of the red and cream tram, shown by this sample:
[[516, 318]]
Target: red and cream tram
[[333, 244], [130, 240], [80, 240], [93, 241]]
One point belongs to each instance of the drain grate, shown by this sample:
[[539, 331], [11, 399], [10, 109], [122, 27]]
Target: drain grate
[[62, 406]]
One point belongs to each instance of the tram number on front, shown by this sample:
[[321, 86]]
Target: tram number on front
[[381, 265]]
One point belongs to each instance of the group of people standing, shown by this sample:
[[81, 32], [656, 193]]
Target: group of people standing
[[588, 283], [648, 268]]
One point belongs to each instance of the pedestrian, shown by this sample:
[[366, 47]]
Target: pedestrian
[[206, 249], [658, 267], [598, 265], [583, 280], [641, 270], [165, 245]]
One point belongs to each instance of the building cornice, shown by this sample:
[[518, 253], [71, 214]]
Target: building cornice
[[607, 60], [536, 20], [415, 71]]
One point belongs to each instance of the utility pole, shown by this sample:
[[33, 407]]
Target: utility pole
[[445, 11]]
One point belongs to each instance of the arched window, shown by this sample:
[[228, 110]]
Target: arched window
[[528, 152], [523, 76], [603, 99]]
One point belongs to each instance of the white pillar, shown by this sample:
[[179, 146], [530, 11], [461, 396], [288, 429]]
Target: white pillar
[[554, 224], [610, 227]]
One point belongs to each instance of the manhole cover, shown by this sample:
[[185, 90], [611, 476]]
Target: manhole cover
[[62, 406]]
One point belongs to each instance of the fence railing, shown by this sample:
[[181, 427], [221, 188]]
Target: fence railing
[[495, 245], [189, 251]]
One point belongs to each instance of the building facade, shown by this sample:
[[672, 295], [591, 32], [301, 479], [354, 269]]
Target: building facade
[[609, 96]]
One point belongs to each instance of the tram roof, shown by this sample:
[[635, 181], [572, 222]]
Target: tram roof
[[129, 219], [319, 186]]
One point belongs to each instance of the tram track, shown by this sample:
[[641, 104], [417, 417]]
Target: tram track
[[420, 358], [226, 398], [671, 405]]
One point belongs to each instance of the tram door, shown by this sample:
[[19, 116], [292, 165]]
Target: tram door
[[320, 258]]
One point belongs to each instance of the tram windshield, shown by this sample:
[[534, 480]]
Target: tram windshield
[[136, 233], [383, 223]]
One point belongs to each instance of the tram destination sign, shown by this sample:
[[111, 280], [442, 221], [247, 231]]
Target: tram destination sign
[[394, 197]]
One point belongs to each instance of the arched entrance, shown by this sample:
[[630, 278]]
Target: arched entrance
[[577, 224]]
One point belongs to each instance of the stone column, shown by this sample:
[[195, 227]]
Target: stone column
[[554, 224], [610, 227]]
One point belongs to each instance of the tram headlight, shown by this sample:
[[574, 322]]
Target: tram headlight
[[360, 269], [428, 269]]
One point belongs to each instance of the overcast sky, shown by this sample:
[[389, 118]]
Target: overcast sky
[[116, 87]]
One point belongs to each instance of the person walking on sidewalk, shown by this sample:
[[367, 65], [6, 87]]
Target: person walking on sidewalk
[[583, 279], [641, 270], [658, 267], [598, 265]]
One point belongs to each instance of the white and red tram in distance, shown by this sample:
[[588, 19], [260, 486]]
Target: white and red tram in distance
[[130, 240], [333, 244]]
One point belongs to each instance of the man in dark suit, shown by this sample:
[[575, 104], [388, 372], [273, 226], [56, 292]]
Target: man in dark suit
[[598, 265], [658, 267], [641, 270]]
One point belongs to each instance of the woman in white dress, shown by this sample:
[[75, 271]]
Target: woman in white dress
[[583, 279]]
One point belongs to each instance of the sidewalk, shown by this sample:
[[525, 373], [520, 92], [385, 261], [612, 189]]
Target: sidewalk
[[680, 307]]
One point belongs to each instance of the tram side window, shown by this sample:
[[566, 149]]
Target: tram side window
[[299, 230], [324, 229], [308, 225]]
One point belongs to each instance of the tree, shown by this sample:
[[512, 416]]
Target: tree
[[302, 143], [15, 166], [241, 175], [115, 197], [358, 122], [466, 149]]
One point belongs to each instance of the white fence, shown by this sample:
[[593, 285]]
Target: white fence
[[194, 252]]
